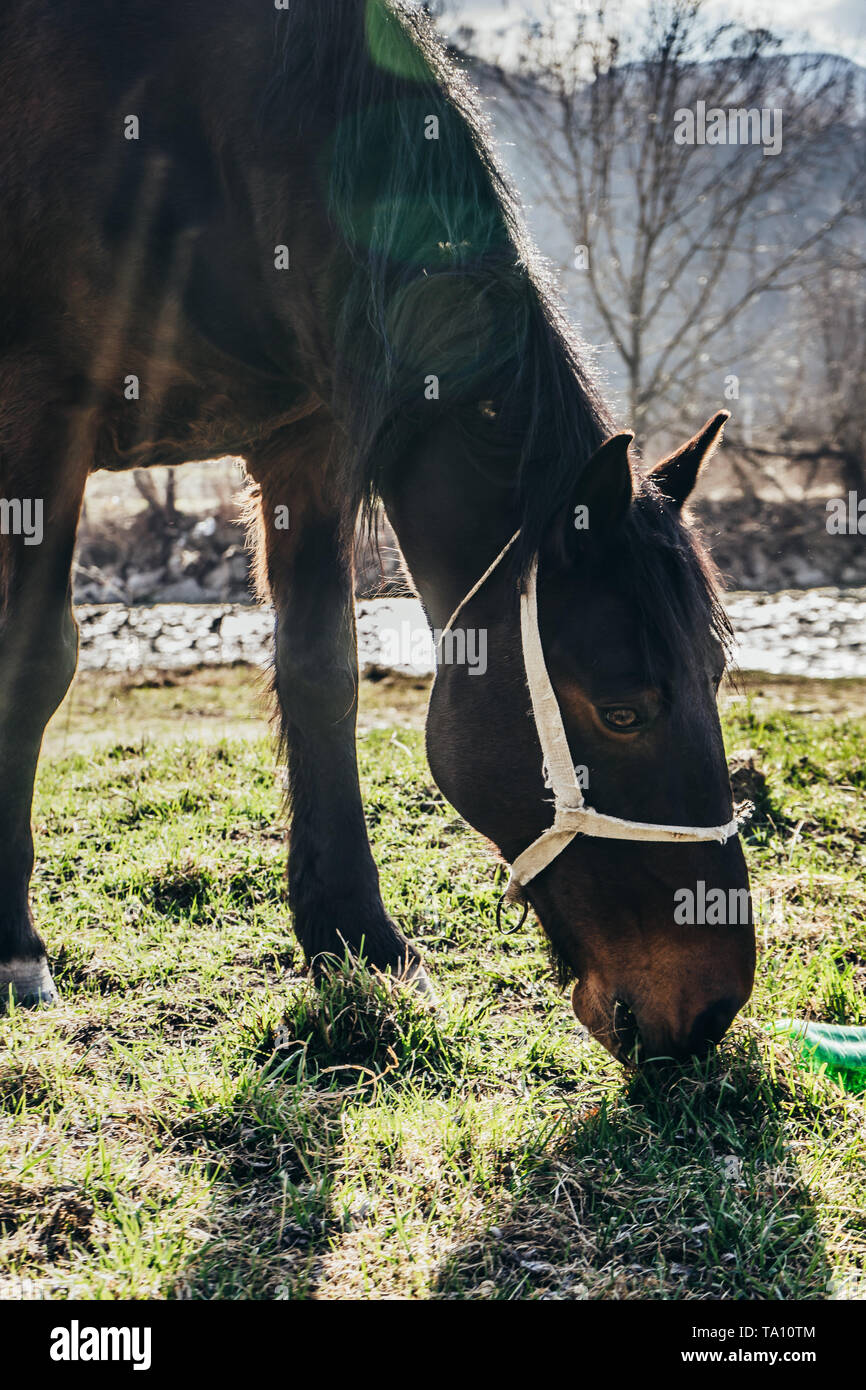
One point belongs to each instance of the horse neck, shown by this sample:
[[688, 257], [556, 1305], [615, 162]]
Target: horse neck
[[450, 518]]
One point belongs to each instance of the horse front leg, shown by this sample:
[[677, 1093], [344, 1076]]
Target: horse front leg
[[333, 881], [41, 495]]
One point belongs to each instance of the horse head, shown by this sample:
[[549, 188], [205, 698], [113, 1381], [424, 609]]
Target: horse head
[[656, 933]]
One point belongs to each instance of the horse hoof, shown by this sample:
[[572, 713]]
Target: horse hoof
[[420, 982], [28, 982]]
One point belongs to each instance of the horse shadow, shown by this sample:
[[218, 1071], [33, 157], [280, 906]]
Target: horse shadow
[[686, 1187], [272, 1144], [680, 1185]]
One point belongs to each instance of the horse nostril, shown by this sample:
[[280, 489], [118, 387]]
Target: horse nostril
[[625, 1031], [711, 1025]]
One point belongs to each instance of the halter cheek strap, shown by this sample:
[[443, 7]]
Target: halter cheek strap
[[572, 816]]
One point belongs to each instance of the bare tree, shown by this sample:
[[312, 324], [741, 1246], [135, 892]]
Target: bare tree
[[687, 225], [822, 414]]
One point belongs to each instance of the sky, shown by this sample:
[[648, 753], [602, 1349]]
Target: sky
[[832, 26]]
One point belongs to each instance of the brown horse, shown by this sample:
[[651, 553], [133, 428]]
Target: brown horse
[[232, 226]]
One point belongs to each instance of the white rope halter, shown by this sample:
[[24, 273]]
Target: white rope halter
[[572, 816]]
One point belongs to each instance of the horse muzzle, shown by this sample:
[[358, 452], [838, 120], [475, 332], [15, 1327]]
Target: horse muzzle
[[666, 1030]]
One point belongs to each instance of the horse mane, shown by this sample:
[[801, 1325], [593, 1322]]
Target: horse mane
[[443, 279]]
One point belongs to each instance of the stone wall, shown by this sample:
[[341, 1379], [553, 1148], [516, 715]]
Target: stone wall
[[818, 633]]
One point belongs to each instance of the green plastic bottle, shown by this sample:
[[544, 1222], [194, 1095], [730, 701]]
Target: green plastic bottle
[[831, 1043]]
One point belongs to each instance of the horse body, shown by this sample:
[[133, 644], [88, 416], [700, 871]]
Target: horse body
[[281, 234]]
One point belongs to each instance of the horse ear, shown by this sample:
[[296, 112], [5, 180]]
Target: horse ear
[[677, 474], [605, 489]]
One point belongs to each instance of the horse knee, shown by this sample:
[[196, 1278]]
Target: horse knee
[[60, 658], [35, 676], [314, 687], [65, 661], [39, 662]]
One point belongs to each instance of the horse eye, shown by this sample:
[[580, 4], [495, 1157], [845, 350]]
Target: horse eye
[[621, 719]]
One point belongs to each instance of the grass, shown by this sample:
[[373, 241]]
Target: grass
[[196, 1121]]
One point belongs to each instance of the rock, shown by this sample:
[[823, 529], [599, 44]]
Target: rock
[[805, 575], [218, 581], [168, 643], [183, 591], [757, 568], [87, 593], [145, 585], [183, 562], [238, 560]]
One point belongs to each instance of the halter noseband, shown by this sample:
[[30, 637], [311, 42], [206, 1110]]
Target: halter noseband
[[572, 816]]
